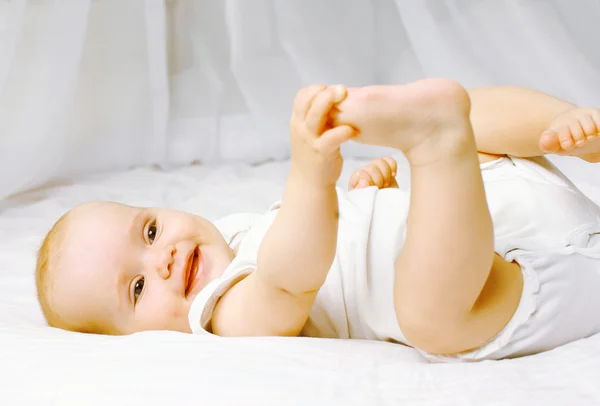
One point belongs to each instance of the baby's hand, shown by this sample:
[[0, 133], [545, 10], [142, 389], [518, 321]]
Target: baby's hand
[[380, 172], [315, 144]]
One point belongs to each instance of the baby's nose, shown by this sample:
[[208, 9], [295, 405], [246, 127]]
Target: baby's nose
[[164, 261]]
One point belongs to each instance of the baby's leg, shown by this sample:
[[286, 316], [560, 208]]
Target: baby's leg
[[448, 255], [509, 120]]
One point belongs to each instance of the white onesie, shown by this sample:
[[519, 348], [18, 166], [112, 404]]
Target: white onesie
[[540, 221]]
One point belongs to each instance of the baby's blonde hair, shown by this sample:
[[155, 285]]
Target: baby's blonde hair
[[48, 260]]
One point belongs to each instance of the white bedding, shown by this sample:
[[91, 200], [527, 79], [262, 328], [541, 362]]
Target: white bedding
[[40, 365]]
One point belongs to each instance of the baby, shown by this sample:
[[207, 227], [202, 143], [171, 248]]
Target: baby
[[492, 254]]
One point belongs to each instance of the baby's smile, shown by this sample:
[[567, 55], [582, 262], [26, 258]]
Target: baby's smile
[[194, 268]]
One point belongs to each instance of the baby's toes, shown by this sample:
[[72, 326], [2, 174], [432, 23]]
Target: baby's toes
[[577, 133], [589, 127], [595, 115], [565, 139], [549, 141]]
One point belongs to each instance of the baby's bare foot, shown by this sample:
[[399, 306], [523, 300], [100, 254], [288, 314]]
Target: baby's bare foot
[[413, 118], [574, 132]]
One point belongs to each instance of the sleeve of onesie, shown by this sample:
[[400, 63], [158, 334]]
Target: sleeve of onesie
[[232, 228], [204, 304]]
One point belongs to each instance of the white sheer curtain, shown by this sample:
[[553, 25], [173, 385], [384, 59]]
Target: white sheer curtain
[[88, 85]]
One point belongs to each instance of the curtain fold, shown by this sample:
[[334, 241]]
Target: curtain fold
[[156, 147], [94, 85], [11, 22], [43, 54]]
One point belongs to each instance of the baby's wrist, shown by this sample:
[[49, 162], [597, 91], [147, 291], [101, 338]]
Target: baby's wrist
[[310, 180]]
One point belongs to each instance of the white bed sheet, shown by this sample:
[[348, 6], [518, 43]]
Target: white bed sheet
[[40, 365]]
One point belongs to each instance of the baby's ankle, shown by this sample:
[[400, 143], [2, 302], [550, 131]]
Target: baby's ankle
[[447, 146]]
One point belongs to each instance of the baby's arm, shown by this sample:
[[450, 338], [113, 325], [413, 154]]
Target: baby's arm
[[299, 248], [510, 120]]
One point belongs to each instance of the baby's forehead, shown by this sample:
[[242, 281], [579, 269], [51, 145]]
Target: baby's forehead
[[96, 228], [98, 214], [100, 208]]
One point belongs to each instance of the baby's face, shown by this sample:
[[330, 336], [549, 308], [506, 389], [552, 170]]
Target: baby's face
[[127, 269]]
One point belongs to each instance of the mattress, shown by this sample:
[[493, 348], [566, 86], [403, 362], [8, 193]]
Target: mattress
[[44, 366]]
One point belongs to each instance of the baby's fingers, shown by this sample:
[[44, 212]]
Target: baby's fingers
[[368, 175], [387, 167], [380, 172], [392, 164], [392, 182], [318, 113], [376, 174], [360, 179], [332, 139], [305, 98]]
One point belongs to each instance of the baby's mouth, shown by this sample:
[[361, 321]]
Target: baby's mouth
[[193, 271]]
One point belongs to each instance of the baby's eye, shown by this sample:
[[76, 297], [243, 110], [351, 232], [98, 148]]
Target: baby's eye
[[152, 232], [138, 289]]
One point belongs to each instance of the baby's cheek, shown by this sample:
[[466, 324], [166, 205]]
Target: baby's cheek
[[177, 317], [165, 311], [154, 316]]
